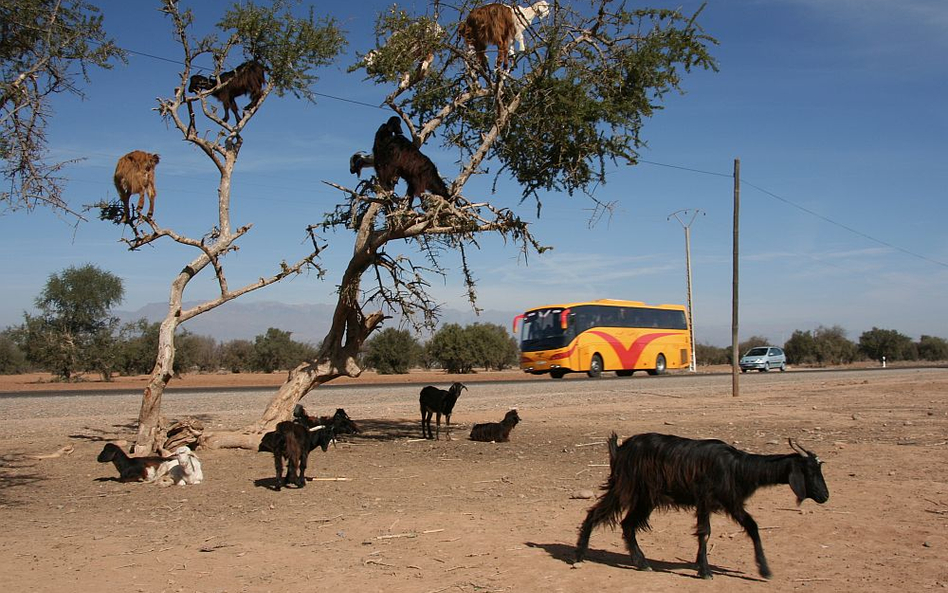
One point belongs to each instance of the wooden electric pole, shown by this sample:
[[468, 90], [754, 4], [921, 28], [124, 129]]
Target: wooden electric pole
[[735, 354]]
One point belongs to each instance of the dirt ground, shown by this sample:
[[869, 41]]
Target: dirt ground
[[390, 512]]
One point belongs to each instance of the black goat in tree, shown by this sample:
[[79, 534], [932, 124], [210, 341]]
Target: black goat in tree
[[396, 157], [652, 471]]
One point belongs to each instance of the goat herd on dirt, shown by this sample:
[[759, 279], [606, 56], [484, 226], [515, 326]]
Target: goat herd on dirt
[[647, 471]]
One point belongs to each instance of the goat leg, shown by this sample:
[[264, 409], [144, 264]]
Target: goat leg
[[278, 464], [636, 519], [703, 531], [750, 526]]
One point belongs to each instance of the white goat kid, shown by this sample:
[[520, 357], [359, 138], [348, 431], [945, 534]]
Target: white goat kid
[[188, 468]]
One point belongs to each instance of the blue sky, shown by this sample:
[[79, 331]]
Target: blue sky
[[836, 109]]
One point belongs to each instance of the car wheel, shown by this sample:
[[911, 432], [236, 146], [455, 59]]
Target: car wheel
[[659, 366], [743, 370], [595, 367], [783, 367], [557, 374]]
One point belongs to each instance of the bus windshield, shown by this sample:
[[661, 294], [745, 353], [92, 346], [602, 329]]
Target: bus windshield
[[542, 330]]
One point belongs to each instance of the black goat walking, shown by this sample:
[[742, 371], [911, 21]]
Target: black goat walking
[[293, 442], [394, 156], [652, 471], [438, 401], [498, 432]]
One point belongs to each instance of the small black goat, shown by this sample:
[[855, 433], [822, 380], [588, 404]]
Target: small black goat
[[340, 422], [652, 471], [395, 156], [293, 442], [498, 432], [135, 469], [438, 401], [246, 79]]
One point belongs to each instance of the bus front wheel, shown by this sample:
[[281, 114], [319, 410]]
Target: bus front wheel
[[595, 366], [659, 366]]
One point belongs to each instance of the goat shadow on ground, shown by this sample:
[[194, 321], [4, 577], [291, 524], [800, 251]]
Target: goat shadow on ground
[[567, 553]]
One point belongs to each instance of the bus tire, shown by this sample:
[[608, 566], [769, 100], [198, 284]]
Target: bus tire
[[659, 366], [595, 367], [625, 372], [557, 374]]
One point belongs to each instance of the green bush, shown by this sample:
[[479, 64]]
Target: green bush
[[392, 351]]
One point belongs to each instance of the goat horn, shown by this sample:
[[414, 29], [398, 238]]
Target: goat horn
[[798, 449], [315, 428]]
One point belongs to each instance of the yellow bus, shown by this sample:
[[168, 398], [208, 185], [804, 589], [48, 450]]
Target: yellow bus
[[603, 335]]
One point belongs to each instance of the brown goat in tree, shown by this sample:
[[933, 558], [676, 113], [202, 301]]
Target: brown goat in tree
[[499, 25], [395, 156], [135, 174], [246, 79]]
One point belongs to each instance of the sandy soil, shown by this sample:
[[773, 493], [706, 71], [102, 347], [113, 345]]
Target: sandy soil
[[423, 516]]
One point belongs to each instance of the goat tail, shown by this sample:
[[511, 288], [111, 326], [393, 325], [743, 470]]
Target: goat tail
[[613, 451]]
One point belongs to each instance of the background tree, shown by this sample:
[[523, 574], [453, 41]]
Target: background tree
[[493, 345], [290, 48], [453, 348], [237, 356], [932, 348], [74, 330], [800, 348], [706, 354], [833, 347], [12, 359], [570, 106], [392, 351], [876, 343], [752, 342], [276, 350], [45, 47]]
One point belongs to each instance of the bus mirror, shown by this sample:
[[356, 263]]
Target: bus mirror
[[516, 322], [564, 318]]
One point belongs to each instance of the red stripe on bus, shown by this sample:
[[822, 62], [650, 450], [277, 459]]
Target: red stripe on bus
[[630, 356]]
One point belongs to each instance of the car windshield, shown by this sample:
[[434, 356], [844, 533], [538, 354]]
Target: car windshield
[[757, 352]]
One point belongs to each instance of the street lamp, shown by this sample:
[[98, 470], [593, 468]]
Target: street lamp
[[680, 215]]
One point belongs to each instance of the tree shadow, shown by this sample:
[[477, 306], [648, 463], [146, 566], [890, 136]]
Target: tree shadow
[[16, 470], [385, 429], [567, 554]]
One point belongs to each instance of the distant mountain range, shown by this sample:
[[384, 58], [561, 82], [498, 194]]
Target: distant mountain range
[[308, 323]]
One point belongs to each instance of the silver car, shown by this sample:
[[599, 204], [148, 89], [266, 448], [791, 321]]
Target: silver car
[[763, 358]]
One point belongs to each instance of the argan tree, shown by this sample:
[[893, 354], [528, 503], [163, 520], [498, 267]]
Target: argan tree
[[46, 46], [290, 49], [570, 106]]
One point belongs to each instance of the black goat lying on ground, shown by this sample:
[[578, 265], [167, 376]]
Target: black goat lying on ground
[[135, 469], [293, 442], [496, 431], [246, 79], [438, 401], [340, 422], [395, 157], [665, 471]]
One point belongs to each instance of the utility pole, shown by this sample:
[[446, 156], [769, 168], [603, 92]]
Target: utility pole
[[691, 320], [735, 388]]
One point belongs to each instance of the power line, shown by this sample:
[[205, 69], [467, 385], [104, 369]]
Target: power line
[[648, 162], [806, 210]]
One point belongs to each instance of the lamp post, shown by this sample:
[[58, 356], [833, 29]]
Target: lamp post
[[680, 215]]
